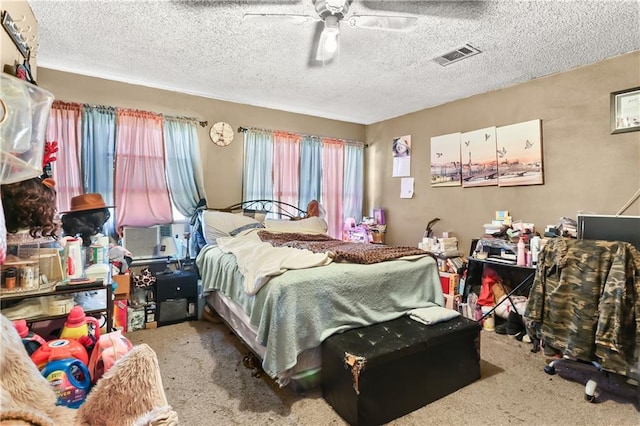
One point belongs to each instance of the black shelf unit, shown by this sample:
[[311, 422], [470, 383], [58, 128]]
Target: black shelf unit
[[7, 300], [519, 278]]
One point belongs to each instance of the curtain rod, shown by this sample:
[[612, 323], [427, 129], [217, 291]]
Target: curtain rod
[[195, 120], [202, 123], [244, 129]]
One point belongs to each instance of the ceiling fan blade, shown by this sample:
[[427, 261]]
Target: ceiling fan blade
[[279, 18], [383, 22]]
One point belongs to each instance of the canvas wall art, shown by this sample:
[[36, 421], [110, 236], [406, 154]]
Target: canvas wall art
[[445, 160], [479, 158], [520, 154]]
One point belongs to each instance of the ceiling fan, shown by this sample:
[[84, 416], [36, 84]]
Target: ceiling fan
[[330, 14]]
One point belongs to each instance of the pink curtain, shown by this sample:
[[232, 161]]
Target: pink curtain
[[332, 178], [64, 127], [141, 192], [286, 167]]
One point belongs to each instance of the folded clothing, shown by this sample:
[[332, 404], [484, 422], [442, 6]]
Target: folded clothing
[[432, 314]]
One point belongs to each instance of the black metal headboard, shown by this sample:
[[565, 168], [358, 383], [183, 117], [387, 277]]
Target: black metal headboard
[[278, 208]]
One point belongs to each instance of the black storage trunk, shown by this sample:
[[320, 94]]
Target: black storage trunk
[[405, 365]]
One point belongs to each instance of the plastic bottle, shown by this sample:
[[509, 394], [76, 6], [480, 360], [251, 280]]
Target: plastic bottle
[[10, 278], [77, 327], [68, 376], [521, 256], [535, 249], [30, 340], [72, 349], [73, 255]]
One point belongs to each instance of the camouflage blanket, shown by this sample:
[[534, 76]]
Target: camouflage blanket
[[342, 251], [583, 299]]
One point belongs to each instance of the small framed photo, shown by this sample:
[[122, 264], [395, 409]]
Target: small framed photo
[[625, 111]]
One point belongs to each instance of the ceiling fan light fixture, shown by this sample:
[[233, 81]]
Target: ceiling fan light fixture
[[328, 44]]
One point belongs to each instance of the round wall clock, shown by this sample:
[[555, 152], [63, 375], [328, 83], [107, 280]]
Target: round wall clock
[[221, 133]]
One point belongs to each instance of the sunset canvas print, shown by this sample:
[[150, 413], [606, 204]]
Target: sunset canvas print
[[479, 158], [519, 150], [445, 160]]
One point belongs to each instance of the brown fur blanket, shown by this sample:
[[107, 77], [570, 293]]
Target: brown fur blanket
[[342, 251]]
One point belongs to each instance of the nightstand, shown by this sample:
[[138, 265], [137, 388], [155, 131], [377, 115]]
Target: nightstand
[[176, 297]]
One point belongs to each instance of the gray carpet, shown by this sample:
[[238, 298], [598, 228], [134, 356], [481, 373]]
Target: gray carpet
[[206, 383]]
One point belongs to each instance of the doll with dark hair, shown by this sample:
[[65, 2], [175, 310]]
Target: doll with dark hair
[[86, 218], [30, 204]]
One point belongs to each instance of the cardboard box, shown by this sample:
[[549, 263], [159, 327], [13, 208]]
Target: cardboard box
[[151, 325], [123, 287], [150, 313], [452, 301], [444, 282], [120, 314], [454, 282], [135, 318]]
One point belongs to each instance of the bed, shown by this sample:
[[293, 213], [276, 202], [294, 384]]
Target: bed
[[283, 317]]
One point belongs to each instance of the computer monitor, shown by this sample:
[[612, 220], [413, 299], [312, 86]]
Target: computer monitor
[[609, 228]]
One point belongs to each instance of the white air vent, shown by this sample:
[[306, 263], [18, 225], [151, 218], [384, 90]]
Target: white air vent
[[143, 243], [456, 55]]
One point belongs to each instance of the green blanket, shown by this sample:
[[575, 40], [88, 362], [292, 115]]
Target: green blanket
[[300, 308]]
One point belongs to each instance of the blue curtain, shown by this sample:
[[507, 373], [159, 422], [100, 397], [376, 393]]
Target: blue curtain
[[310, 170], [98, 155], [257, 178], [182, 159], [353, 181]]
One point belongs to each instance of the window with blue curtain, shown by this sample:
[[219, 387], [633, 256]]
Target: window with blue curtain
[[97, 146], [258, 174]]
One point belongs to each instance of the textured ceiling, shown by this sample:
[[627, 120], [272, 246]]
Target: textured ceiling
[[206, 48]]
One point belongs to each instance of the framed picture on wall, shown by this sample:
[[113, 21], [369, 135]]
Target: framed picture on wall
[[625, 111]]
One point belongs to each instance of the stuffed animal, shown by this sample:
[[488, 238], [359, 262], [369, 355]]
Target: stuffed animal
[[130, 393]]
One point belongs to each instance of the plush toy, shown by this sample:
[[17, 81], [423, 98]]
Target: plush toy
[[130, 393], [120, 259]]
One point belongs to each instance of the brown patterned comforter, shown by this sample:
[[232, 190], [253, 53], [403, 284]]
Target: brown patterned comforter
[[343, 251]]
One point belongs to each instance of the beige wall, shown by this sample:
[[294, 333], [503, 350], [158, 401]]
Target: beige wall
[[19, 11], [222, 165], [585, 167]]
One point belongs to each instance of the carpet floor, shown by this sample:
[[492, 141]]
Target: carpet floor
[[207, 384]]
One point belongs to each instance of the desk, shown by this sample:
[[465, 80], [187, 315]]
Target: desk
[[519, 278]]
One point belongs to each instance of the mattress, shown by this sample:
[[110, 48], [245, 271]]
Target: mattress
[[295, 311], [304, 375]]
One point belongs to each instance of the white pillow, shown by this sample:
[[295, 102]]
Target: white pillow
[[223, 224], [310, 225]]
